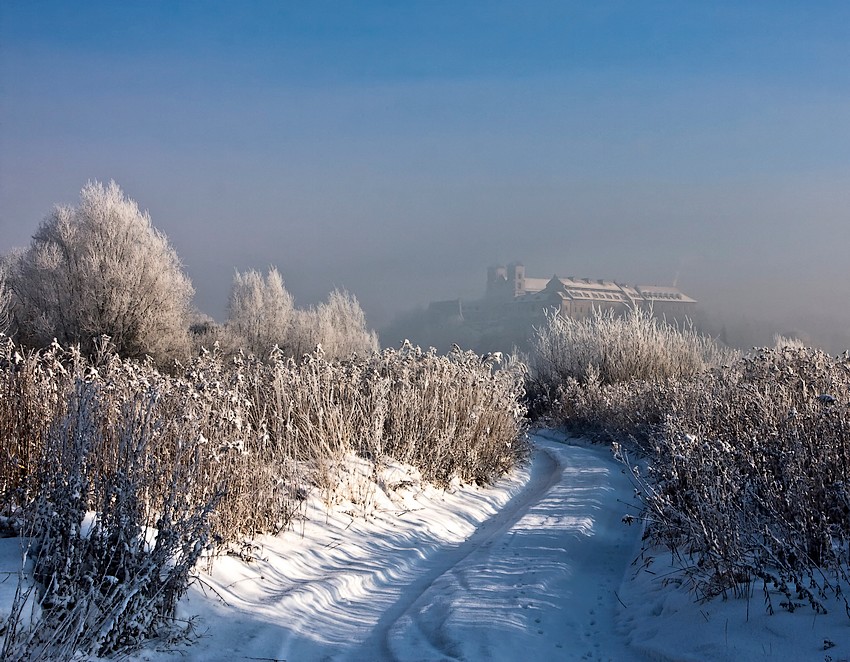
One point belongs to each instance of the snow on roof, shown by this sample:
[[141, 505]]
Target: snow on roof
[[606, 290], [662, 292]]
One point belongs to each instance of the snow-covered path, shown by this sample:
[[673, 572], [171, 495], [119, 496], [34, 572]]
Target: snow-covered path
[[529, 570], [537, 581]]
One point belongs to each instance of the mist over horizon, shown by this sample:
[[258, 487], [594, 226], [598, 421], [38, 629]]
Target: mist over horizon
[[398, 151]]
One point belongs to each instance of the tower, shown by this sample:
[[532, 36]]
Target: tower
[[516, 278]]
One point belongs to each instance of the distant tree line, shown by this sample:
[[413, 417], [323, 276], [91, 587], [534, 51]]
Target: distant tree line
[[101, 269]]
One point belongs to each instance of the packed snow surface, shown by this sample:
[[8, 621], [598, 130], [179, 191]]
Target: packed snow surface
[[528, 569], [539, 567]]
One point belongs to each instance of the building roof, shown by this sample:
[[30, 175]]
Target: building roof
[[586, 289]]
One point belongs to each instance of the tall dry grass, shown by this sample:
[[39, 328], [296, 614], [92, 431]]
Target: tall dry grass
[[748, 480], [171, 464], [581, 371], [608, 348], [751, 478]]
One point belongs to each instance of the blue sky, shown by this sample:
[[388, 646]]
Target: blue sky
[[399, 148]]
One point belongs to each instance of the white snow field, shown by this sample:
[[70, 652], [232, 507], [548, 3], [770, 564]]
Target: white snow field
[[539, 567]]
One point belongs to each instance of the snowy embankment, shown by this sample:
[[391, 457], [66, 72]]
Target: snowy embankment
[[538, 567]]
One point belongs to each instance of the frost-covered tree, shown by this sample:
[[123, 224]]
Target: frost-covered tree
[[260, 312], [262, 315], [344, 330], [339, 326], [101, 268]]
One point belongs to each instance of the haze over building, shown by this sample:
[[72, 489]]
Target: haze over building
[[514, 303]]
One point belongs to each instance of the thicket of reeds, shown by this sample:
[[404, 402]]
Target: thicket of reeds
[[121, 476], [748, 480], [609, 348]]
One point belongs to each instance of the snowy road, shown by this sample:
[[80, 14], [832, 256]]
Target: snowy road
[[531, 577], [537, 581]]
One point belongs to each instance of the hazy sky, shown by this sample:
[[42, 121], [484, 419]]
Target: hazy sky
[[399, 148]]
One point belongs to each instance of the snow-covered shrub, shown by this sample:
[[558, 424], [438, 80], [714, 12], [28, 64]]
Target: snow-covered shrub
[[101, 268], [606, 348], [750, 477], [262, 429], [5, 296], [262, 317], [338, 326], [446, 415], [109, 581], [260, 312], [616, 412], [34, 385], [456, 414], [224, 450], [227, 403], [342, 327], [780, 342]]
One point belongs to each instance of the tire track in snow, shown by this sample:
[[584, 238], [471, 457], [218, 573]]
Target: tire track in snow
[[536, 581], [545, 475]]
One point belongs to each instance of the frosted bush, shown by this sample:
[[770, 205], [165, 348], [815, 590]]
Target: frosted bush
[[748, 481], [606, 348], [748, 471], [5, 297], [101, 268], [260, 312], [263, 319], [751, 477], [105, 587], [781, 342]]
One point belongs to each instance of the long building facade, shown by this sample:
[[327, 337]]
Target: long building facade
[[577, 297], [513, 300]]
